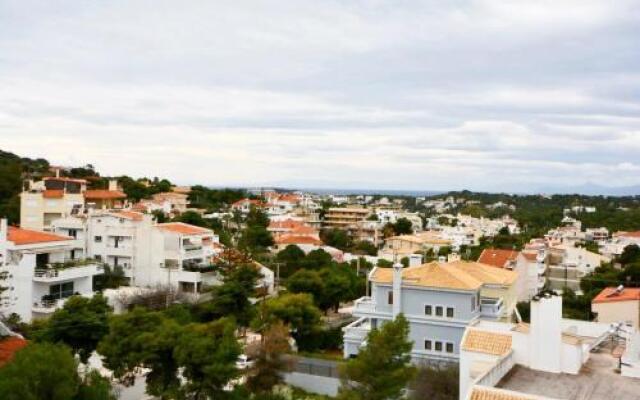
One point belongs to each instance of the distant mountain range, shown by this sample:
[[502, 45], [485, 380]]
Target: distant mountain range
[[592, 189]]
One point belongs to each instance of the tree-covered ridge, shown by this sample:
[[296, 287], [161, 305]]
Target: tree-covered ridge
[[539, 213]]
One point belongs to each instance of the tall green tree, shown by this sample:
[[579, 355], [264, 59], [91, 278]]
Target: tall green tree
[[295, 310], [207, 354], [47, 371], [307, 281], [80, 324], [382, 370], [290, 259], [143, 339]]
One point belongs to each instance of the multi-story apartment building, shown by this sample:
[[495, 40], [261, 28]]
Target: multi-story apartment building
[[568, 264], [177, 255], [439, 299], [189, 250], [55, 197], [345, 217], [42, 271]]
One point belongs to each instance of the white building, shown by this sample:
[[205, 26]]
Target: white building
[[548, 345], [42, 271]]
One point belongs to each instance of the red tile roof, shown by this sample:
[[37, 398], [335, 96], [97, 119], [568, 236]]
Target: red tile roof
[[609, 295], [101, 194], [20, 236], [634, 234], [185, 229], [239, 203], [53, 194], [497, 257], [9, 346], [298, 239], [132, 215]]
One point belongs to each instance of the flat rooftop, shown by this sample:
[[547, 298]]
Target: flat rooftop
[[597, 380]]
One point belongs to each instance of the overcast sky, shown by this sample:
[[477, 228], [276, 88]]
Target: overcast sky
[[486, 95]]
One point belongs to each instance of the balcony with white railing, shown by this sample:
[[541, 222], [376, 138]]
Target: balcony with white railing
[[491, 307], [47, 306], [67, 271], [125, 250], [494, 375], [358, 330], [365, 305]]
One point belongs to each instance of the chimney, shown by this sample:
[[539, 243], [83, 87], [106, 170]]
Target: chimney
[[397, 289], [546, 333], [113, 184], [415, 260]]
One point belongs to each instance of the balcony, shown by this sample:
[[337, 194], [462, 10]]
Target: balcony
[[357, 331], [67, 271], [365, 305], [47, 306], [120, 250], [491, 307]]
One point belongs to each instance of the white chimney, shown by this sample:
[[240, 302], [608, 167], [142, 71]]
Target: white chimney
[[113, 184], [397, 289], [546, 333]]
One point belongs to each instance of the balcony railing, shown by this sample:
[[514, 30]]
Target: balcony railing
[[55, 270], [491, 307], [200, 268], [365, 304], [358, 330]]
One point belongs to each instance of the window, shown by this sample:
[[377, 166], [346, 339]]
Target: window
[[427, 344], [473, 303], [97, 239], [428, 310], [390, 297], [61, 291], [439, 311], [449, 312], [449, 347], [73, 233], [98, 257], [438, 346]]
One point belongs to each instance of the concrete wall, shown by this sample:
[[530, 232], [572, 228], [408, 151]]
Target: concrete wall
[[618, 311], [313, 383]]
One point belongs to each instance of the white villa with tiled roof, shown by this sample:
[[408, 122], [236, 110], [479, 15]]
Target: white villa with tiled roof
[[42, 270], [439, 299]]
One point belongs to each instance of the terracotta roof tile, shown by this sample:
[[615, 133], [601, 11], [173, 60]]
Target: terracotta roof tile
[[478, 341], [184, 229], [498, 257], [9, 346], [489, 393], [610, 295], [132, 215], [20, 236], [461, 275], [298, 239]]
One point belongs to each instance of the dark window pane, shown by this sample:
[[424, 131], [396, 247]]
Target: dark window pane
[[428, 310], [449, 347], [449, 312], [439, 311], [438, 346]]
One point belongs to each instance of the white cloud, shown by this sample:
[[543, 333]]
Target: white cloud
[[483, 94]]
